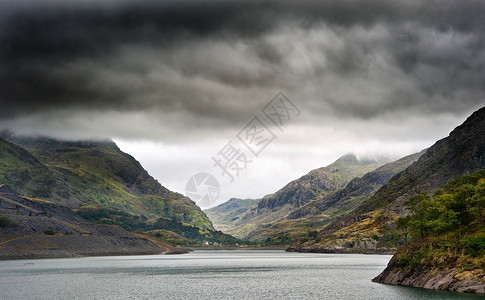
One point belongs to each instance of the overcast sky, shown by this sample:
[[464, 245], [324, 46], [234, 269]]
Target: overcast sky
[[173, 82]]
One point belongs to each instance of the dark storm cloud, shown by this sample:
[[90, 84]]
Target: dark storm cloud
[[39, 40], [211, 58]]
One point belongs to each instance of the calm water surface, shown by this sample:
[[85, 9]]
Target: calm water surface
[[206, 275]]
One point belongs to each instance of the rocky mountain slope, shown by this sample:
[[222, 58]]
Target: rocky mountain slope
[[371, 226], [101, 184], [347, 198], [24, 172], [34, 228], [462, 152], [318, 182], [302, 223]]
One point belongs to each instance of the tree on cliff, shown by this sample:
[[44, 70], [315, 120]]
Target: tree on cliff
[[460, 203]]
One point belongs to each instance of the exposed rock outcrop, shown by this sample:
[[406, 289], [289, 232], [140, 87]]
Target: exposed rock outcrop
[[450, 277], [452, 280]]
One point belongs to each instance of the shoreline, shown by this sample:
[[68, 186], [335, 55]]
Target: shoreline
[[203, 248], [341, 251], [448, 280]]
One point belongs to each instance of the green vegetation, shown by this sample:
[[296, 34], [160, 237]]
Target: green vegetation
[[474, 246], [107, 185], [407, 261], [22, 171], [49, 232], [140, 223], [4, 221], [169, 237], [454, 208], [434, 254], [448, 228]]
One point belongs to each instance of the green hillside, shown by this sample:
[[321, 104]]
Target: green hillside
[[22, 171], [102, 184]]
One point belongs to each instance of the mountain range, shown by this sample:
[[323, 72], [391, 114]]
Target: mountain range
[[351, 205], [308, 203]]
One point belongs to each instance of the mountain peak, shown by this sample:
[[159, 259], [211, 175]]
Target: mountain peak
[[347, 158]]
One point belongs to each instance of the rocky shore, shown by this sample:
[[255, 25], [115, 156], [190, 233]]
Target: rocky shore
[[452, 280], [455, 275], [33, 247], [361, 246]]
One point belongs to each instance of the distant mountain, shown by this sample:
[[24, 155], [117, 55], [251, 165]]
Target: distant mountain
[[226, 214], [101, 183], [347, 198], [371, 226], [257, 223], [303, 221], [319, 182]]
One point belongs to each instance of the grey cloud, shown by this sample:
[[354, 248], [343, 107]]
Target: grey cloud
[[216, 63]]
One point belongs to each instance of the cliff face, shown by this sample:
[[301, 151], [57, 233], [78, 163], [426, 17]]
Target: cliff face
[[452, 280], [362, 235]]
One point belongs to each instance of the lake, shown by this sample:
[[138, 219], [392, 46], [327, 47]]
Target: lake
[[236, 274]]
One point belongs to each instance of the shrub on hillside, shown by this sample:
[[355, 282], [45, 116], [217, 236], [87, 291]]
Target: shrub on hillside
[[4, 222], [475, 246]]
